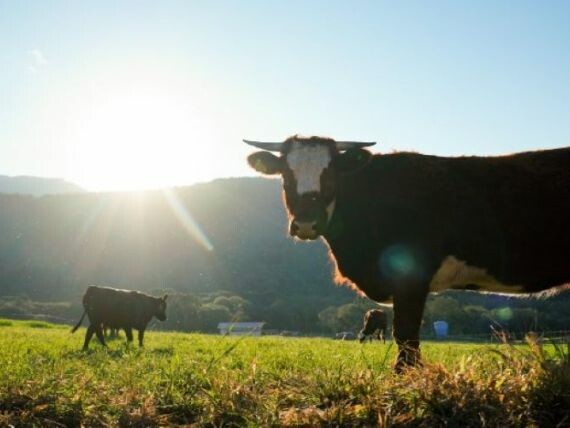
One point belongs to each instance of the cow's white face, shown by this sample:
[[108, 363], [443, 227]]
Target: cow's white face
[[309, 181], [307, 164], [311, 169]]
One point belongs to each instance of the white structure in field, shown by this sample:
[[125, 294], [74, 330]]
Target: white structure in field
[[241, 328]]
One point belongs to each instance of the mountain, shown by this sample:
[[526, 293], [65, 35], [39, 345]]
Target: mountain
[[226, 235], [36, 186]]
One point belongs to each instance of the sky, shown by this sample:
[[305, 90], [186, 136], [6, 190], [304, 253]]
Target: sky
[[143, 94]]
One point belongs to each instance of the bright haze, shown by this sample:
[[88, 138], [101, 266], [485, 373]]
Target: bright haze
[[136, 95]]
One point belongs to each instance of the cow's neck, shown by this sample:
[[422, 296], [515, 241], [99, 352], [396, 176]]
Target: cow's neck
[[348, 236]]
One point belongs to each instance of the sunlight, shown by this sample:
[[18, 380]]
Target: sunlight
[[141, 136]]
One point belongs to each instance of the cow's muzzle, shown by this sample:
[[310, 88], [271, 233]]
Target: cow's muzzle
[[305, 230]]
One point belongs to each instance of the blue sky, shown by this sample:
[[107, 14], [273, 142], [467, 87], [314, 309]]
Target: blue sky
[[125, 95]]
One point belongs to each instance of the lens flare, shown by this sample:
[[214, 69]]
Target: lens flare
[[183, 215], [505, 314], [397, 261]]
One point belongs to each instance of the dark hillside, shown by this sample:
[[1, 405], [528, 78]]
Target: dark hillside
[[53, 246]]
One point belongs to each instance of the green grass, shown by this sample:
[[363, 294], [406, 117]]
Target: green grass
[[46, 380]]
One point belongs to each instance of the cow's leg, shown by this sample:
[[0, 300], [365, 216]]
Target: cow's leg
[[408, 310], [129, 334], [383, 333], [88, 336], [141, 337], [99, 333]]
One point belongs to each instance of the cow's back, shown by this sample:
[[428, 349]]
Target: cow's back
[[380, 318], [515, 215], [114, 307], [376, 319], [505, 214]]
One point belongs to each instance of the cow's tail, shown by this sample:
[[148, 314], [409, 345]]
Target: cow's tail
[[79, 323]]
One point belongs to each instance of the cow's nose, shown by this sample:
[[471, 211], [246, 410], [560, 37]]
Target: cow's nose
[[304, 229]]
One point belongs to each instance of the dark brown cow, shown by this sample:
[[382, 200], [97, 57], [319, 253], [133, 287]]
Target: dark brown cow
[[119, 309], [401, 225], [375, 324]]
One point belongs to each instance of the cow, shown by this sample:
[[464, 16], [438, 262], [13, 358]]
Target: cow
[[119, 309], [375, 323], [402, 225]]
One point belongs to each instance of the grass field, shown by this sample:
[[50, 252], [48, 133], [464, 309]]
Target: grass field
[[45, 380]]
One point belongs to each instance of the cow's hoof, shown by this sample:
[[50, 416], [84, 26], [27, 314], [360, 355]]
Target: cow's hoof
[[402, 366]]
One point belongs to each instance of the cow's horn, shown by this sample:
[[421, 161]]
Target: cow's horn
[[272, 147], [345, 145]]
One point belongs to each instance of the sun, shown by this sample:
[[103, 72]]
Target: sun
[[138, 137]]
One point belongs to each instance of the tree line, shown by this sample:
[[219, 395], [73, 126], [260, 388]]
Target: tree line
[[468, 314]]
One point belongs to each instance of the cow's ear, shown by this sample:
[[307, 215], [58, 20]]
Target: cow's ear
[[164, 297], [265, 162], [352, 160]]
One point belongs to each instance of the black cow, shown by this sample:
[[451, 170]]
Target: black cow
[[375, 323], [401, 225], [116, 309]]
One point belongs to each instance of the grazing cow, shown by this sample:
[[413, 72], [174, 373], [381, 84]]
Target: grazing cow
[[116, 309], [375, 323], [402, 225]]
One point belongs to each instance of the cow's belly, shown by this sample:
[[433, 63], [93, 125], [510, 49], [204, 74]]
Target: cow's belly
[[457, 274]]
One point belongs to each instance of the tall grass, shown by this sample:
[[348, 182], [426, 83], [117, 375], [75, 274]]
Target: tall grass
[[45, 380]]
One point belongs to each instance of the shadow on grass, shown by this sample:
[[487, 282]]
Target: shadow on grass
[[119, 352], [180, 414], [44, 411]]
